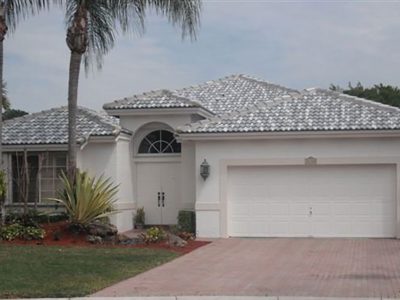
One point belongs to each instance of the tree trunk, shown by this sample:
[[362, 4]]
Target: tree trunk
[[74, 69], [3, 32]]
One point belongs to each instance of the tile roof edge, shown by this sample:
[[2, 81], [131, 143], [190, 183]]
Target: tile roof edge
[[354, 99]]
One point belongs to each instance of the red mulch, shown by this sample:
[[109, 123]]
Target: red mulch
[[70, 239]]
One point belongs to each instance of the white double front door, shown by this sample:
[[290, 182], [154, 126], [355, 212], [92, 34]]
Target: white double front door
[[158, 191]]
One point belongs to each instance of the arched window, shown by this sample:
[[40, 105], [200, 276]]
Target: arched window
[[159, 141]]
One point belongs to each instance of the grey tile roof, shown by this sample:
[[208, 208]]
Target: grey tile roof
[[230, 93], [51, 127], [153, 99], [312, 110]]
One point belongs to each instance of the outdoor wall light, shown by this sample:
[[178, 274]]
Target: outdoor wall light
[[204, 169]]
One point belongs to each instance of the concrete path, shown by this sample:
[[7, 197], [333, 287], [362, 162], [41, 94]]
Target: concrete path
[[275, 267]]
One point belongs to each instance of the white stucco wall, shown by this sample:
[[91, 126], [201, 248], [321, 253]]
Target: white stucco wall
[[220, 154], [112, 159]]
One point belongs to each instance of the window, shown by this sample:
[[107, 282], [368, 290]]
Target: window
[[44, 170], [158, 142]]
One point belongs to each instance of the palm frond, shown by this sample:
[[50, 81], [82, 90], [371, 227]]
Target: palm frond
[[6, 101], [183, 13], [17, 10]]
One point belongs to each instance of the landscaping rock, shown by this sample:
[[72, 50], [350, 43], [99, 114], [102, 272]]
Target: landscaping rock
[[131, 241], [122, 237], [94, 239], [102, 229], [174, 240]]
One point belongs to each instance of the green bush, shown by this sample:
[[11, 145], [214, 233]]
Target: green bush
[[11, 232], [34, 218], [153, 235], [140, 216], [187, 221], [15, 231], [88, 198]]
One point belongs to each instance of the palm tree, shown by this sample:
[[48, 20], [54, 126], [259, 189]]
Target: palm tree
[[91, 28], [11, 12]]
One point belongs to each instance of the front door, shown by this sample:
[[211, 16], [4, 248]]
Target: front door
[[158, 191]]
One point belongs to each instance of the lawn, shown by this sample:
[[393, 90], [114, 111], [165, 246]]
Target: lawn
[[38, 271]]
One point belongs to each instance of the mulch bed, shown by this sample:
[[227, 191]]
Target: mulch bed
[[70, 239]]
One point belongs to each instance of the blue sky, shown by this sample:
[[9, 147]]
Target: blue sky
[[298, 44]]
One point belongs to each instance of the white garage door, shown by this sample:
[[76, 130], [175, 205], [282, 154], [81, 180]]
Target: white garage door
[[320, 201]]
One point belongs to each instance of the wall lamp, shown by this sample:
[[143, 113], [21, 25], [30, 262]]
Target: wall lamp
[[204, 169]]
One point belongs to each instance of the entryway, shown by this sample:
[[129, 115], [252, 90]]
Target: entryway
[[158, 191]]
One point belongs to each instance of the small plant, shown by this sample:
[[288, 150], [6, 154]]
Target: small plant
[[187, 221], [153, 235], [33, 233], [15, 231], [139, 218], [88, 198], [34, 218], [11, 232]]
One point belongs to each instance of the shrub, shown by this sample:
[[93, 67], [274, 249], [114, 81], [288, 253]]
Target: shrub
[[153, 235], [140, 216], [33, 233], [88, 198], [187, 221], [14, 231], [34, 218], [11, 232]]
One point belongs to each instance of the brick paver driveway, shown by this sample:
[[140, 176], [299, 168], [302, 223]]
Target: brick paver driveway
[[276, 267]]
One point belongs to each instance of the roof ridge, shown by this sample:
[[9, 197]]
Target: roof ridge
[[356, 99], [265, 82], [208, 82]]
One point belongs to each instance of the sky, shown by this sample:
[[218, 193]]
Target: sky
[[297, 44]]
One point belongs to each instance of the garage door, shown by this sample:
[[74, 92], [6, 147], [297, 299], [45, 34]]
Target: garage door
[[320, 201]]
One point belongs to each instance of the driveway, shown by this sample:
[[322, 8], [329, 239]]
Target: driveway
[[275, 267]]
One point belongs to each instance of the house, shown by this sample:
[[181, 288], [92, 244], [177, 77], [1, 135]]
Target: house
[[253, 159]]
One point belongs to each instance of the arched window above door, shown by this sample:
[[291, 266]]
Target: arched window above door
[[159, 142]]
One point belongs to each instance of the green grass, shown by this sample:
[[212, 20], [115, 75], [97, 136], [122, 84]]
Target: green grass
[[38, 271]]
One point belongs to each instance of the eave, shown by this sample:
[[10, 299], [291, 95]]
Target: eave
[[288, 135]]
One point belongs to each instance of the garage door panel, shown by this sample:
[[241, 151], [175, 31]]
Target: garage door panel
[[346, 201]]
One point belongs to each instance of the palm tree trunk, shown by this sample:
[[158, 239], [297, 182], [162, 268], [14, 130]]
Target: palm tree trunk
[[3, 32], [74, 70]]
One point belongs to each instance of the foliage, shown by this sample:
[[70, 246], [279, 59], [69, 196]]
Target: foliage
[[5, 101], [88, 198], [3, 192], [140, 216], [187, 221], [62, 272], [385, 94], [34, 218], [105, 19], [13, 113], [153, 235], [14, 231], [11, 232], [3, 184]]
